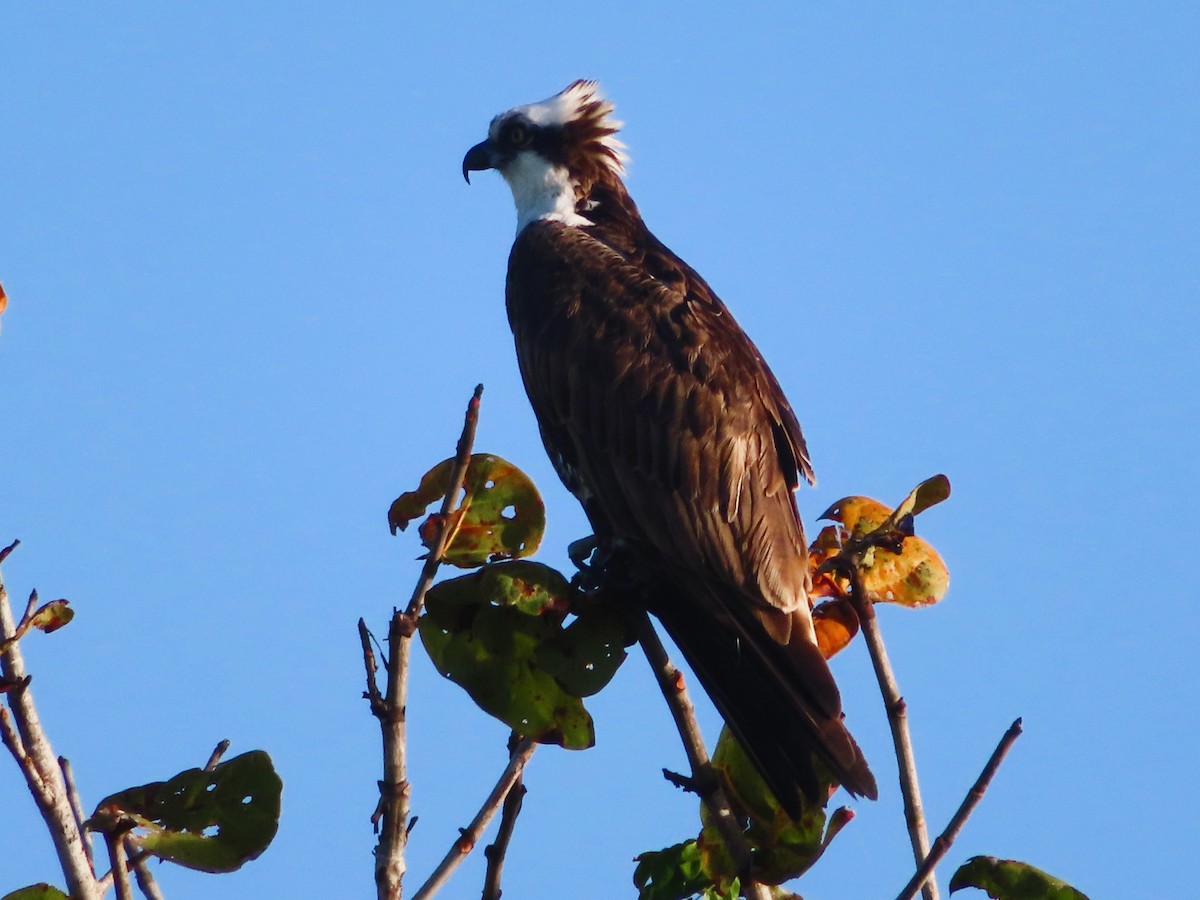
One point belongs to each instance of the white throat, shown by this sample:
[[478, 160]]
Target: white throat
[[541, 191]]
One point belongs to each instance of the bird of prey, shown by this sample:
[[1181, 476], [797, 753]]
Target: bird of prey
[[661, 417]]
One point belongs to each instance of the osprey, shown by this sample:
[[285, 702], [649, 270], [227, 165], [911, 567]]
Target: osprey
[[661, 417]]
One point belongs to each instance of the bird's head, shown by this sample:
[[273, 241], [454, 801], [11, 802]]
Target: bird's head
[[553, 153]]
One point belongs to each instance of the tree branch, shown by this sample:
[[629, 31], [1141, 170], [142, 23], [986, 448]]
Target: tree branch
[[942, 845], [31, 748], [120, 867], [848, 562], [471, 834], [393, 808], [496, 851], [705, 780]]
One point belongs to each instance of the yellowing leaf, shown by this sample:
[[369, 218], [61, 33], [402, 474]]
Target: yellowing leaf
[[836, 624], [52, 616], [914, 577], [501, 514]]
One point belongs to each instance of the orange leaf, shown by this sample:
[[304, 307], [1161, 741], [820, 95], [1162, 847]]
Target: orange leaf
[[914, 577], [836, 624]]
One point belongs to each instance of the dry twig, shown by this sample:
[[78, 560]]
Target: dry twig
[[471, 834], [942, 845], [496, 851], [391, 814], [26, 740]]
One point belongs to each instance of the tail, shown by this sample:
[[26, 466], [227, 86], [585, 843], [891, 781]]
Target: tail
[[779, 700]]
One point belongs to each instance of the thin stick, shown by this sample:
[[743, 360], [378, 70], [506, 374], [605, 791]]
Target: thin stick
[[393, 809], [897, 713], [471, 834], [214, 758], [146, 881], [705, 781], [31, 748], [77, 808], [946, 839], [498, 849], [120, 871]]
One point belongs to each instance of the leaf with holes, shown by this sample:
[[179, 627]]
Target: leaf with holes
[[213, 821], [501, 514], [1007, 879], [498, 633], [916, 576], [586, 655], [52, 616], [36, 891]]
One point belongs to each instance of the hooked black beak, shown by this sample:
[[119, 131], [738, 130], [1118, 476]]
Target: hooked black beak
[[478, 158]]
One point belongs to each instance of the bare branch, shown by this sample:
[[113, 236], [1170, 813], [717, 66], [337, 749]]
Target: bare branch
[[471, 834], [897, 709], [77, 808], [30, 746], [496, 851], [393, 809], [120, 868], [705, 781], [146, 881], [946, 839]]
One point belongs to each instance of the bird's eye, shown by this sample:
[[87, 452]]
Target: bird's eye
[[516, 135]]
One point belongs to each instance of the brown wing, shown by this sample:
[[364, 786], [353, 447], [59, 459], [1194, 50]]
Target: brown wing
[[663, 419], [663, 409]]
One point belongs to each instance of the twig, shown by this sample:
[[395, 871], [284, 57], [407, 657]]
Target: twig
[[496, 851], [897, 710], [707, 784], [391, 814], [471, 834], [214, 758], [120, 870], [31, 748], [942, 845], [146, 881], [77, 808]]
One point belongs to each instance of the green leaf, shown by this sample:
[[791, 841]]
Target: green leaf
[[585, 656], [781, 847], [213, 821], [671, 874], [1007, 879], [36, 892], [501, 514]]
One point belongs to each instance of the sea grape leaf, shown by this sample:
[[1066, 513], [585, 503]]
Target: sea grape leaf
[[498, 633], [916, 576], [584, 658], [530, 587], [41, 891], [213, 821], [1008, 879], [674, 873], [501, 514], [836, 624], [52, 616]]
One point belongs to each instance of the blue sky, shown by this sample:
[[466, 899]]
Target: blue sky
[[250, 296]]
